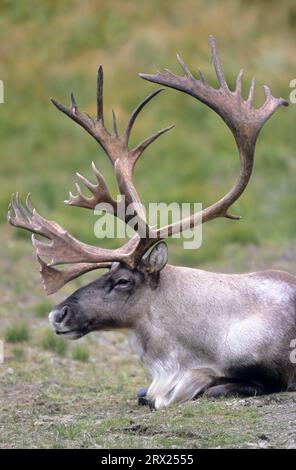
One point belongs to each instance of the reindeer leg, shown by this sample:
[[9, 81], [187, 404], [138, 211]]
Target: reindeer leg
[[236, 389], [142, 396], [180, 387]]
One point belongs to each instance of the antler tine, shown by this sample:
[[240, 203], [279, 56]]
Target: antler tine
[[183, 67], [84, 120], [217, 63], [136, 152], [251, 93], [100, 82], [139, 149], [137, 111], [115, 130], [20, 216], [100, 193], [244, 121], [74, 106], [239, 78], [202, 76], [95, 128]]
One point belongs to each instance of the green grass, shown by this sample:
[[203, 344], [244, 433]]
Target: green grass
[[17, 333], [80, 354], [57, 401], [19, 354], [43, 308], [51, 342]]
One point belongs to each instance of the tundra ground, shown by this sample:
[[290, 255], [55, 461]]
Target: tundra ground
[[61, 394]]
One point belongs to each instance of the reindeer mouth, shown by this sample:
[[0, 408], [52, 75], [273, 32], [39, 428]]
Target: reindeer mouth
[[71, 334]]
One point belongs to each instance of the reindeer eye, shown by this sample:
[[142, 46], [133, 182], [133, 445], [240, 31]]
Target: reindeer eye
[[122, 283]]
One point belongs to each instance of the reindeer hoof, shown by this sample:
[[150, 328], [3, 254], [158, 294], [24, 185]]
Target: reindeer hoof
[[142, 397]]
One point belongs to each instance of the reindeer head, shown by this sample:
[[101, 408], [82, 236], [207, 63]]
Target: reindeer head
[[113, 300]]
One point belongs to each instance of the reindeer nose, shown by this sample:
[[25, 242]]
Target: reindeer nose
[[59, 315]]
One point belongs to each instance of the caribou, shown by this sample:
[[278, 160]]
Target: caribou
[[197, 332]]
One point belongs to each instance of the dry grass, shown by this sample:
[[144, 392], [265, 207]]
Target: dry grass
[[53, 397]]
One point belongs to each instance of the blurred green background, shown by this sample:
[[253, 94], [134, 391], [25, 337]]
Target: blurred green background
[[49, 48], [60, 394]]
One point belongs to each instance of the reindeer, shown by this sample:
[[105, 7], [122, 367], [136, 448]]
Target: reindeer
[[197, 332]]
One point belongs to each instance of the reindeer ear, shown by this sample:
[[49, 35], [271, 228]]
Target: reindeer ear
[[156, 259]]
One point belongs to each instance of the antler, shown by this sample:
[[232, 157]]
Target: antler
[[99, 190], [53, 279], [116, 148], [244, 121], [63, 248]]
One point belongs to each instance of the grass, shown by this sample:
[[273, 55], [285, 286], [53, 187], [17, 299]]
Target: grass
[[19, 354], [51, 342], [17, 333], [80, 354], [43, 308], [54, 395]]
